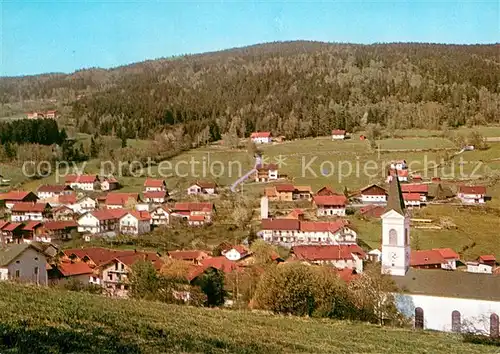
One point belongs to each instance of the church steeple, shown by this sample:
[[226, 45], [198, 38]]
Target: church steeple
[[395, 199]]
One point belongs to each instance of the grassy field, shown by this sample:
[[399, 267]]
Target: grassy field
[[40, 320]]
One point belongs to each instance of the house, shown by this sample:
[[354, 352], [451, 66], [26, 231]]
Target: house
[[338, 134], [51, 114], [115, 272], [56, 230], [83, 205], [70, 271], [160, 215], [296, 214], [100, 221], [12, 232], [10, 198], [261, 137], [437, 258], [339, 256], [373, 194], [375, 255], [292, 232], [109, 183], [23, 262], [302, 193], [472, 194], [488, 259], [155, 185], [48, 191], [266, 173], [116, 200], [24, 211], [35, 115], [135, 223], [202, 188], [195, 257], [421, 189], [412, 200], [401, 173], [156, 197], [326, 191], [65, 199], [83, 182], [477, 267], [416, 179], [330, 205], [372, 211], [236, 253], [399, 165], [30, 231], [63, 213], [280, 192], [197, 220], [187, 210]]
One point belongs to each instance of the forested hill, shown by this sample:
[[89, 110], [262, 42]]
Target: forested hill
[[293, 88]]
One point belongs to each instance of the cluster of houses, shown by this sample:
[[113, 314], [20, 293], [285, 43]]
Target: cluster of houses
[[267, 138], [39, 115], [57, 212]]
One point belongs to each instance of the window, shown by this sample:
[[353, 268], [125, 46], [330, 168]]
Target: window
[[494, 325], [419, 318], [455, 321], [393, 237], [110, 276], [36, 258], [36, 270], [18, 273]]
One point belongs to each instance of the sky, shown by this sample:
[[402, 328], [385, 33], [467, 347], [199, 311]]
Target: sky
[[64, 36]]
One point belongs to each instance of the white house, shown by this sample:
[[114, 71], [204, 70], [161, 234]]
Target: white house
[[159, 197], [373, 194], [236, 253], [328, 205], [23, 262], [202, 188], [100, 221], [83, 182], [48, 191], [135, 223], [472, 194], [338, 134], [476, 267], [160, 215], [155, 185], [339, 256], [109, 183], [83, 205], [261, 137], [399, 165], [25, 211], [412, 200]]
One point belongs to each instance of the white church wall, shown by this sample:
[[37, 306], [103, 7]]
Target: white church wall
[[437, 310]]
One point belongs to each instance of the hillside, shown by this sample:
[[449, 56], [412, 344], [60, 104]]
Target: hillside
[[39, 320], [298, 89]]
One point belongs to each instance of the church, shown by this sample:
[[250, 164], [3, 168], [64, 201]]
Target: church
[[442, 300]]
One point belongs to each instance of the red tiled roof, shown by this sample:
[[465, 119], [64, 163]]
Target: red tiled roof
[[372, 210], [3, 224], [67, 198], [205, 184], [12, 226], [109, 214], [326, 191], [416, 177], [59, 225], [447, 253], [260, 135], [401, 173], [411, 196], [196, 217], [69, 269], [120, 198], [326, 200], [220, 263], [15, 195], [286, 187], [338, 132], [188, 255], [81, 178], [415, 188], [426, 257], [31, 225], [52, 188], [373, 190], [323, 253], [436, 179], [29, 207], [193, 206], [487, 258], [322, 226], [151, 182], [280, 224], [268, 167], [472, 190], [346, 274], [140, 215], [61, 209], [100, 255], [155, 195], [295, 214]]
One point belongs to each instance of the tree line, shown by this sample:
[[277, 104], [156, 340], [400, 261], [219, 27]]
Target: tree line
[[32, 131]]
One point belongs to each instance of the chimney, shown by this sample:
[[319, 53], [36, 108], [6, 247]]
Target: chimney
[[264, 208]]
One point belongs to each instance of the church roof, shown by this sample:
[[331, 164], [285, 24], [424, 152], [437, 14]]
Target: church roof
[[458, 284], [395, 199]]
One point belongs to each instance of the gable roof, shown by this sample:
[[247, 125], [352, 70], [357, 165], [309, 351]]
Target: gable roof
[[53, 188], [100, 256], [487, 258], [152, 182], [284, 187], [31, 225], [327, 252], [204, 184], [139, 215], [373, 189], [280, 224], [16, 195], [323, 226], [12, 226], [81, 178], [472, 189], [59, 225], [194, 206], [326, 200], [69, 269], [9, 254], [67, 198], [372, 210], [155, 194], [118, 198], [326, 191], [30, 207], [395, 198], [413, 197], [338, 132], [108, 214], [432, 257], [295, 214], [260, 135], [188, 255], [415, 188]]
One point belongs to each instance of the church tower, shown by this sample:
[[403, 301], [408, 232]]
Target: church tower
[[395, 233]]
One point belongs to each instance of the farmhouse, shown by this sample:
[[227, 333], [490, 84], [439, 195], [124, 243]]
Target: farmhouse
[[280, 192], [83, 182], [421, 189], [156, 197], [70, 271], [135, 223], [202, 188], [10, 198], [412, 200], [100, 221], [116, 200], [109, 183], [155, 185], [63, 213], [266, 173], [338, 134], [236, 253], [195, 257], [302, 193], [261, 137], [82, 205], [472, 194], [195, 213], [160, 215], [373, 194], [51, 114], [48, 191], [56, 230], [11, 232], [372, 211], [24, 262], [442, 258], [24, 211], [339, 256], [330, 205], [401, 173]]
